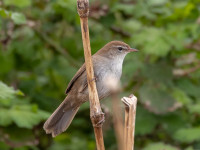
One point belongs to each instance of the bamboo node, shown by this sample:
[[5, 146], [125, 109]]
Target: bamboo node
[[98, 119], [83, 8]]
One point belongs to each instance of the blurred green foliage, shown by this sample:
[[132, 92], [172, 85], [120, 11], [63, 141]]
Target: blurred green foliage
[[41, 49]]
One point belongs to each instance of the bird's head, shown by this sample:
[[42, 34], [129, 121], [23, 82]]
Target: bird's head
[[115, 49]]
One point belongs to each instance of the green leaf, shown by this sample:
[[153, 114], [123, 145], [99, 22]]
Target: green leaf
[[4, 13], [18, 3], [194, 108], [18, 18], [8, 95], [159, 146], [131, 25], [156, 99], [189, 148], [43, 114], [24, 119], [19, 93], [4, 146], [189, 87], [6, 64], [188, 135], [156, 72], [181, 97], [23, 116], [156, 2], [143, 10], [6, 92], [171, 122], [5, 118], [128, 9], [145, 122], [156, 41]]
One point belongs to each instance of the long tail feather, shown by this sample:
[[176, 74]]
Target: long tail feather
[[60, 120]]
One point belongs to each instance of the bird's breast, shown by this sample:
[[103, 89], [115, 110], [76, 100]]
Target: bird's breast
[[104, 72]]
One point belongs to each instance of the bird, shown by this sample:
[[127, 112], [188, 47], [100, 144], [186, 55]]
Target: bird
[[107, 62]]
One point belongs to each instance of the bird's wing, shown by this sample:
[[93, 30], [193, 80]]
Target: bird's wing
[[76, 76], [80, 72]]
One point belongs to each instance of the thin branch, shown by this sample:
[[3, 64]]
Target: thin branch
[[195, 46], [96, 114], [185, 72], [114, 87]]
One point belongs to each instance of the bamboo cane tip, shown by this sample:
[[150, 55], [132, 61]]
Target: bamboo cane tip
[[130, 96], [83, 8], [129, 101]]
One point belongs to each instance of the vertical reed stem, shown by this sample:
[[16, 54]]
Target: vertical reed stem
[[129, 127], [118, 121], [96, 114]]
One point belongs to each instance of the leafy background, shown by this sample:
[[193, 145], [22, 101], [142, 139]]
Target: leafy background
[[41, 49]]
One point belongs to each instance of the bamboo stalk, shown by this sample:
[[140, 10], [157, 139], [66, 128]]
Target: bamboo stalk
[[96, 114], [114, 87], [129, 127], [117, 120]]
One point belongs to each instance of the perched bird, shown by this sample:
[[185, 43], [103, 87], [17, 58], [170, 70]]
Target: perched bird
[[106, 62]]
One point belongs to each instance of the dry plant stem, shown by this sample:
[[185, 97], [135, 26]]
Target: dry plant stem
[[129, 127], [118, 120], [96, 114]]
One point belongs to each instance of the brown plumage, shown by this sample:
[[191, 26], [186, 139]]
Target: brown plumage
[[106, 62]]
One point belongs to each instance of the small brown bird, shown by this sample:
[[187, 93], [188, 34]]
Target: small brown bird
[[107, 62]]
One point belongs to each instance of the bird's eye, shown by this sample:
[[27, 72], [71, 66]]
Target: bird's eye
[[120, 48]]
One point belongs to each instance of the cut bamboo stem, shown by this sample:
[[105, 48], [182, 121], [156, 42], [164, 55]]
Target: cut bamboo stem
[[96, 114], [114, 87], [129, 126], [117, 120]]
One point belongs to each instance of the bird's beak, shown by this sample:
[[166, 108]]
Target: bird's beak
[[132, 50]]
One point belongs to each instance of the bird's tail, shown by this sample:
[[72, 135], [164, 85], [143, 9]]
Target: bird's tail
[[62, 117]]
